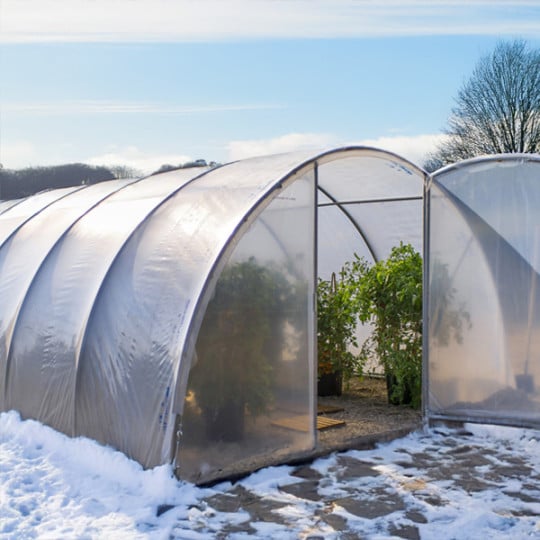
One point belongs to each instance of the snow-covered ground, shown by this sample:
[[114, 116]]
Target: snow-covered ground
[[480, 483]]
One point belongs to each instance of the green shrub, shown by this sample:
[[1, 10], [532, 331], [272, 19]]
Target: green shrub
[[337, 320], [388, 295], [390, 298], [235, 348]]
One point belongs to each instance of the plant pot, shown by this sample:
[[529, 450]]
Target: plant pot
[[525, 382], [225, 423], [330, 384], [391, 383]]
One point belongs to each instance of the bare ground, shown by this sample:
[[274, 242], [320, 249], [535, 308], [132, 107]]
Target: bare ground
[[368, 416]]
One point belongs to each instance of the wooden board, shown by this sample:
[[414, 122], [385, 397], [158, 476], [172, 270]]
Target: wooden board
[[328, 409], [302, 422], [326, 423]]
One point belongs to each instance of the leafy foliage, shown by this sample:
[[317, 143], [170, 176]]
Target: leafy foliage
[[498, 108], [234, 347], [390, 297], [449, 318], [337, 319]]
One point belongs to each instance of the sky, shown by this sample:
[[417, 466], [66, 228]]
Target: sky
[[475, 483], [142, 83]]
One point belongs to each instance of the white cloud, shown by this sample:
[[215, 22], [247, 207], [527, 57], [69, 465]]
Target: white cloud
[[415, 148], [17, 154], [21, 154], [284, 143], [193, 20], [131, 156]]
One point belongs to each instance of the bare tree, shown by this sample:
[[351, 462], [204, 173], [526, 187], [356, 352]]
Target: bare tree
[[124, 171], [498, 108]]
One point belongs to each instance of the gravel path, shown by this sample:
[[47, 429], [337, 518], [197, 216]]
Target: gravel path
[[368, 417]]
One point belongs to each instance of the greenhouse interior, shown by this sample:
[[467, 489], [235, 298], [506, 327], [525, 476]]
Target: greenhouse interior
[[173, 317]]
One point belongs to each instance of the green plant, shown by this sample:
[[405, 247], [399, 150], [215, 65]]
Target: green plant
[[337, 320], [449, 318], [233, 370], [390, 297]]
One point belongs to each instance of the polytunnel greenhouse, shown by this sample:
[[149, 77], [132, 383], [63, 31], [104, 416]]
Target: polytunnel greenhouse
[[482, 320], [173, 317]]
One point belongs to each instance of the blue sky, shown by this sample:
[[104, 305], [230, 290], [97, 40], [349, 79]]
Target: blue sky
[[147, 82]]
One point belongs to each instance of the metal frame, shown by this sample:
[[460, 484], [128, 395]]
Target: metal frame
[[252, 209]]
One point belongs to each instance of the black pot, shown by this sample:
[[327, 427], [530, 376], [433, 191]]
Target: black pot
[[330, 384]]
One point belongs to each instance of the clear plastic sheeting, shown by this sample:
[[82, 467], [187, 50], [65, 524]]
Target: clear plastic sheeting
[[338, 241], [26, 209], [6, 205], [25, 250], [169, 262], [247, 402], [49, 332], [379, 197], [173, 317], [483, 324]]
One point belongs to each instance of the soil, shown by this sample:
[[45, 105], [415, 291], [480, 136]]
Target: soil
[[369, 420], [368, 416]]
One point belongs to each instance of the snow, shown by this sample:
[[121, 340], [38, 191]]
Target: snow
[[482, 482]]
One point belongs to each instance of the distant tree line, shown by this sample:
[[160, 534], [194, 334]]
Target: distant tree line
[[18, 183], [15, 184], [188, 165]]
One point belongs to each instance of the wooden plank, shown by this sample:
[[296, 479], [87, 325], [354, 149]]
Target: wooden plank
[[328, 409], [302, 422], [326, 423]]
